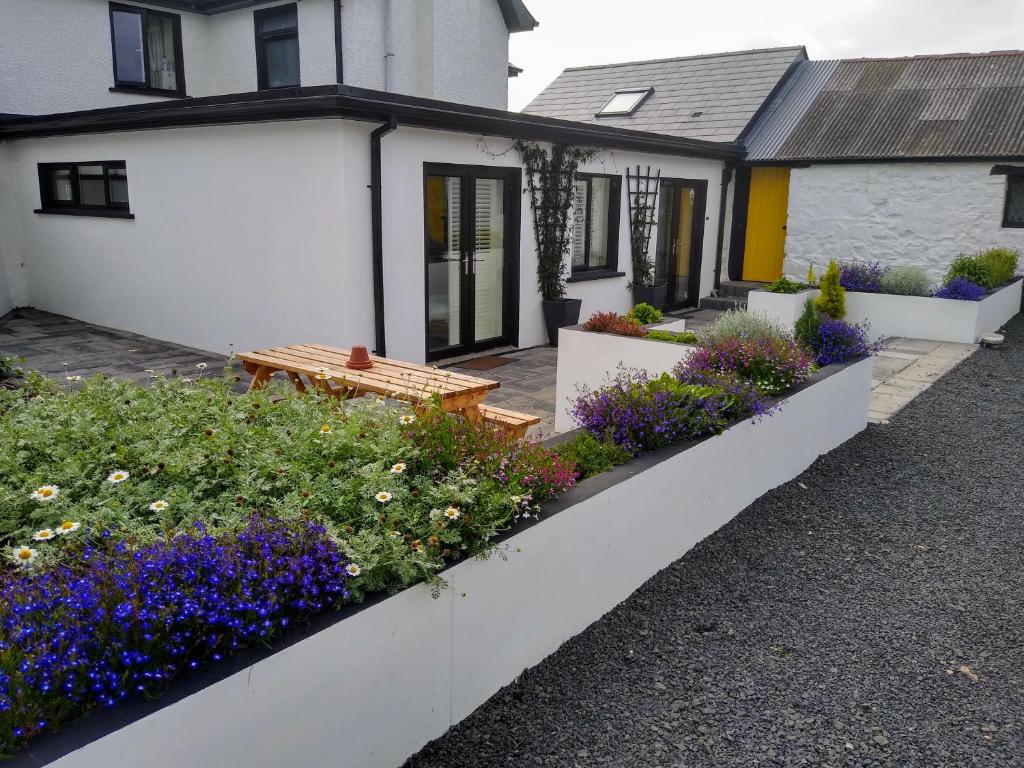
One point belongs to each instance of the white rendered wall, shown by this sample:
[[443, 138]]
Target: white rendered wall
[[224, 251], [924, 214], [55, 55], [405, 152]]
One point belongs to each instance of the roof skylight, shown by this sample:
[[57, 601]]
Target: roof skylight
[[625, 102]]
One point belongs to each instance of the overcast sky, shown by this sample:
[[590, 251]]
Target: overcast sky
[[580, 32]]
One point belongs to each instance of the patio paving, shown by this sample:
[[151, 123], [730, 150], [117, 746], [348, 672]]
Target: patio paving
[[864, 615]]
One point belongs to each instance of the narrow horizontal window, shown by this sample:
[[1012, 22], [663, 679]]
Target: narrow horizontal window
[[95, 188], [1013, 212], [277, 47], [625, 102], [147, 49], [596, 204]]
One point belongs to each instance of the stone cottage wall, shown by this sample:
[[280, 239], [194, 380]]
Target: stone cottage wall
[[896, 213]]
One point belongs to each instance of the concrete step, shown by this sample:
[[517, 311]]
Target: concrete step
[[738, 288], [723, 302]]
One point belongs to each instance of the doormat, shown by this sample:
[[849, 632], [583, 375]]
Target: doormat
[[486, 363]]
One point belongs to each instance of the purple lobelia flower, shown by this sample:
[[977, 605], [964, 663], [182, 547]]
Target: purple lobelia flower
[[125, 621], [961, 289], [839, 341], [862, 276]]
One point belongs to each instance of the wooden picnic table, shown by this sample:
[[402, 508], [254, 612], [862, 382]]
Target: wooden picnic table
[[324, 369]]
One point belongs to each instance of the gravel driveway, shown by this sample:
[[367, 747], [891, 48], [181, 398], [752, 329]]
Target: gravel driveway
[[870, 613]]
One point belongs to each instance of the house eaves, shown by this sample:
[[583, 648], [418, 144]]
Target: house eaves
[[341, 101]]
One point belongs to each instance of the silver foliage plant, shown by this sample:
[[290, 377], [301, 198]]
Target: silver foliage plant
[[906, 281]]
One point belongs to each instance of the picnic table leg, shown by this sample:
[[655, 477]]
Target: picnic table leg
[[261, 377], [299, 386], [472, 414]]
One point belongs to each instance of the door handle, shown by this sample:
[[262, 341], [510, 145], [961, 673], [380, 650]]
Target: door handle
[[466, 260]]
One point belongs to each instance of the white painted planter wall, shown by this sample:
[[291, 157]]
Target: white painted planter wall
[[915, 317], [589, 359], [376, 687]]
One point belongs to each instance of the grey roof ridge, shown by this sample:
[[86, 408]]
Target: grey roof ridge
[[689, 58]]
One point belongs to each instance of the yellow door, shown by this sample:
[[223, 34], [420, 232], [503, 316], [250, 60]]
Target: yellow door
[[766, 224]]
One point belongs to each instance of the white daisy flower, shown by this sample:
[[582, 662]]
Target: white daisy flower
[[452, 513], [68, 526], [73, 378], [435, 514], [325, 429], [201, 366], [353, 570], [397, 469], [407, 419], [395, 534], [45, 493], [44, 535], [24, 555], [383, 497], [117, 476], [158, 506], [322, 374]]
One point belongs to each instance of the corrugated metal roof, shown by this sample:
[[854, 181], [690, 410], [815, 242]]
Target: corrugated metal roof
[[963, 105], [711, 97]]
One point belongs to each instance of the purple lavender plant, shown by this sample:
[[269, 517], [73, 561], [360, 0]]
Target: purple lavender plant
[[961, 289], [125, 622], [861, 276], [839, 341]]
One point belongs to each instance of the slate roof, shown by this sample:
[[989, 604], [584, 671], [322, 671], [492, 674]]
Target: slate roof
[[711, 97], [951, 106]]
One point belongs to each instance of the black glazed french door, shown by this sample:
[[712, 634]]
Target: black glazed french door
[[680, 244], [471, 231]]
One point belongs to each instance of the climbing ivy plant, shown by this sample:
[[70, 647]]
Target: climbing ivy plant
[[549, 179]]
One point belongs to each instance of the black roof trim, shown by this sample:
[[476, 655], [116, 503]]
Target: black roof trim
[[517, 16], [882, 160], [343, 101]]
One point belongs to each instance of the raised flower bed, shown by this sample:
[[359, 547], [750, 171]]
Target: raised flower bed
[[371, 684], [587, 359], [916, 317]]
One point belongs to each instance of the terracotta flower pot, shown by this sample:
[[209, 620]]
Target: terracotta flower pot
[[359, 359]]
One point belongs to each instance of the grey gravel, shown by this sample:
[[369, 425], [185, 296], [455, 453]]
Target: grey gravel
[[873, 618]]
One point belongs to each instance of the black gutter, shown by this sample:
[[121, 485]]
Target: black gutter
[[720, 240], [343, 101], [377, 228], [339, 60]]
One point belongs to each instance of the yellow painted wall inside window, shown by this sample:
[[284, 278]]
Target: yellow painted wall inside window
[[766, 224]]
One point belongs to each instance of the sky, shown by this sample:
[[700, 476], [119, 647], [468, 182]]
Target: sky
[[580, 32]]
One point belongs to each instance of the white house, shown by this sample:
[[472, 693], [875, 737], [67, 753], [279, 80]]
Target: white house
[[903, 161], [323, 212], [67, 55]]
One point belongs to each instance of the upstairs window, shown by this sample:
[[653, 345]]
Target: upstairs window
[[1013, 212], [147, 50], [84, 189], [625, 102], [277, 47], [596, 201]]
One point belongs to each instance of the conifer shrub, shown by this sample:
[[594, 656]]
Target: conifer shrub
[[832, 301]]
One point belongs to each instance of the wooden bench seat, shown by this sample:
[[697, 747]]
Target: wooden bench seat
[[515, 423]]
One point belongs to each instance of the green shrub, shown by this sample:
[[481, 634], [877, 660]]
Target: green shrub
[[832, 300], [970, 268], [743, 324], [812, 279], [8, 369], [645, 314], [785, 285], [591, 455], [679, 337], [1001, 264], [808, 325], [907, 281]]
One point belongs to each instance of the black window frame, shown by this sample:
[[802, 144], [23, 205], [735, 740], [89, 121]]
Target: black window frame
[[1012, 179], [179, 56], [614, 214], [75, 206], [262, 38]]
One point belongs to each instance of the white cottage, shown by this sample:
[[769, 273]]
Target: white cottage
[[362, 187]]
